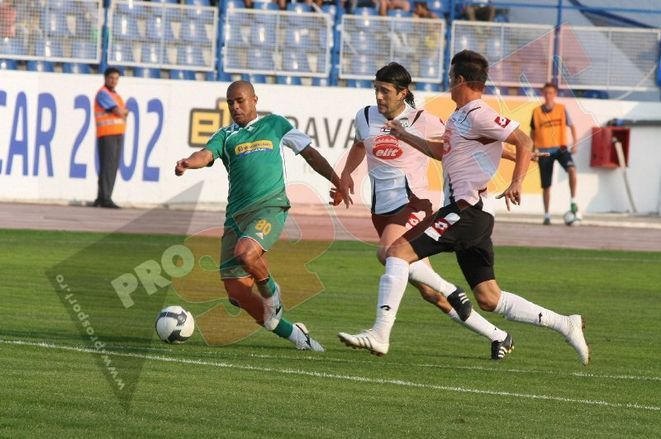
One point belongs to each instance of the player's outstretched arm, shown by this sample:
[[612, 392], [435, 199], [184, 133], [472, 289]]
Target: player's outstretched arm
[[323, 168], [198, 159], [354, 159], [510, 155], [523, 145], [431, 148]]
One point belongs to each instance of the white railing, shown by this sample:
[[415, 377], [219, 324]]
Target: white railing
[[162, 35], [370, 42], [52, 30], [610, 58], [519, 55], [284, 43]]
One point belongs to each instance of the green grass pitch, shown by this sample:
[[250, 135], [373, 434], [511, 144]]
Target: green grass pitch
[[437, 380]]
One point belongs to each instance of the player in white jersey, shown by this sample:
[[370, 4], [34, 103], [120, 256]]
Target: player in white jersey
[[397, 173], [470, 150]]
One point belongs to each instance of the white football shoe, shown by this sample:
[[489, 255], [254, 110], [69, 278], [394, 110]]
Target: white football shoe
[[576, 338], [365, 340], [304, 342], [272, 310]]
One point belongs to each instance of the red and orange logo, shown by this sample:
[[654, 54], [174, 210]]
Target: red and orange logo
[[386, 148]]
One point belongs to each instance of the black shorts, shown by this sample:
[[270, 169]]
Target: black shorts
[[407, 215], [465, 232], [562, 155]]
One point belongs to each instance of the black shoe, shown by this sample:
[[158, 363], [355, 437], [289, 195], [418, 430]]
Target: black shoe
[[461, 304], [499, 349], [108, 204]]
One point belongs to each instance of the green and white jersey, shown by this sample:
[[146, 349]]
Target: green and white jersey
[[254, 159]]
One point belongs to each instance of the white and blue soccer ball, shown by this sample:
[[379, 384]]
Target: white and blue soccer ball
[[174, 324], [571, 219]]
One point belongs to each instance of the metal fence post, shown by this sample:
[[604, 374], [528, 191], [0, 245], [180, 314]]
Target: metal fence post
[[556, 46], [448, 48]]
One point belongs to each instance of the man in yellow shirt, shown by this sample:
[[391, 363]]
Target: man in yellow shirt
[[548, 129]]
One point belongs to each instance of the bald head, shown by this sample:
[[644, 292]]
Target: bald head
[[242, 102], [244, 86]]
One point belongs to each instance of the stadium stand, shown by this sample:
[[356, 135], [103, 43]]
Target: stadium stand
[[333, 44]]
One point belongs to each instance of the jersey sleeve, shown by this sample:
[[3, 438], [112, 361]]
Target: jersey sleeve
[[292, 138], [492, 125], [567, 118], [105, 101], [361, 126], [434, 127], [216, 143]]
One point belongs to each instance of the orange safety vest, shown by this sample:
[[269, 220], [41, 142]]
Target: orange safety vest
[[550, 128], [107, 123]]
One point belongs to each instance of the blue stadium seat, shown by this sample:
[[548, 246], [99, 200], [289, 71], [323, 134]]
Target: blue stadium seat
[[172, 2], [494, 50], [265, 18], [11, 46], [262, 35], [83, 69], [159, 28], [193, 31], [429, 68], [132, 9], [359, 83], [145, 72], [364, 65], [253, 78], [40, 66], [80, 49], [366, 15], [289, 80], [120, 53], [54, 23], [295, 61], [401, 26], [295, 37], [152, 53], [299, 7], [188, 75], [320, 82], [190, 55], [234, 4], [261, 59], [439, 7], [83, 49], [265, 6], [198, 2], [49, 48], [363, 42], [125, 27], [234, 37], [428, 86], [7, 64], [331, 9], [463, 42]]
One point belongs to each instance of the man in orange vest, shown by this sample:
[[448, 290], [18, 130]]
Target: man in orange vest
[[548, 129], [110, 116]]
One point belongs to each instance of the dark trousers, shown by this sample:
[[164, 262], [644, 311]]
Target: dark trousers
[[110, 148]]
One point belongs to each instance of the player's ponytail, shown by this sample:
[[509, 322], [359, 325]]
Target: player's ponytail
[[398, 76]]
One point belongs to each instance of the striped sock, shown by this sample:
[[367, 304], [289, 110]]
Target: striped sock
[[284, 329]]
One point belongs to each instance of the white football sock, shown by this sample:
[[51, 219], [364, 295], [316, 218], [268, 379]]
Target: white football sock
[[422, 273], [517, 308], [391, 290], [478, 324]]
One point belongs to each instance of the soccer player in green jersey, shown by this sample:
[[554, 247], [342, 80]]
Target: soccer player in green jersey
[[251, 150]]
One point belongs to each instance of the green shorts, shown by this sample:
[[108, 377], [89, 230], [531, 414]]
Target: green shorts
[[263, 225]]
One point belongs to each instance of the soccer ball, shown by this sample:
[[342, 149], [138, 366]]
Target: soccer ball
[[174, 324], [571, 219]]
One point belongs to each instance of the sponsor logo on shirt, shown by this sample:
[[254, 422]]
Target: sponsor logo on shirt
[[386, 148], [250, 147], [502, 121]]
